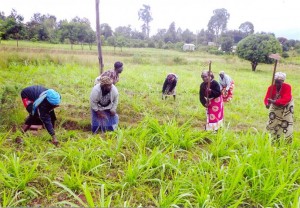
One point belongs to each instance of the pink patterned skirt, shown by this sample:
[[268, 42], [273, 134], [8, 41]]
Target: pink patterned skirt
[[227, 96], [215, 114]]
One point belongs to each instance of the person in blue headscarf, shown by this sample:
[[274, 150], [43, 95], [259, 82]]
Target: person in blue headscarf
[[40, 103]]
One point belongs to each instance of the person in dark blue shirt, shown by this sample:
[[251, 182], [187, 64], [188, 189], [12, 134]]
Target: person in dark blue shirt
[[40, 103]]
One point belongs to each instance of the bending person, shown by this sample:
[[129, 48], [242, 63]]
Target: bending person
[[113, 73], [169, 86], [104, 101], [227, 86], [40, 103]]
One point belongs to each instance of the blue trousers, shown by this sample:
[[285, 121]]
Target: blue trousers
[[109, 123]]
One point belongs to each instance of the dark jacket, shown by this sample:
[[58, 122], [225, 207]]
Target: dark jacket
[[215, 91], [44, 114], [171, 85]]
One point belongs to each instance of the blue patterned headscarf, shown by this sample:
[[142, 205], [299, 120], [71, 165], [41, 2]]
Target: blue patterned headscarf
[[52, 97]]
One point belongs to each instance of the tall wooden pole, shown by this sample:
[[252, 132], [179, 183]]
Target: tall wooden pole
[[208, 84], [276, 57], [99, 37]]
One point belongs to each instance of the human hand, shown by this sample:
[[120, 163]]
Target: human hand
[[101, 114], [271, 101], [208, 91], [112, 113], [54, 141], [207, 103]]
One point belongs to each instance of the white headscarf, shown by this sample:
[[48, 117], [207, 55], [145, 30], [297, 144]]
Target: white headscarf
[[280, 75]]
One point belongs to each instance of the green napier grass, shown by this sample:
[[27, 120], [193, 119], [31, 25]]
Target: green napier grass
[[159, 156]]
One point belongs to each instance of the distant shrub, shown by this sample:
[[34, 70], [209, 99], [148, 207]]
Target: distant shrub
[[215, 52], [151, 44], [138, 59], [179, 60], [285, 55]]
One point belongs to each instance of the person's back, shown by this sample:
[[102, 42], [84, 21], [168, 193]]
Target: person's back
[[32, 92], [39, 103], [112, 73], [169, 86]]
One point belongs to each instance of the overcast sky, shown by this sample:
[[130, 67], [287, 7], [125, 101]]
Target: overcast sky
[[278, 16]]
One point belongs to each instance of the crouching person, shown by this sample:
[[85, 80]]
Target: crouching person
[[169, 86], [104, 101], [40, 103]]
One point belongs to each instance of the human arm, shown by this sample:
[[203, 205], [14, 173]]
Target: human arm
[[285, 95], [95, 97], [164, 85], [114, 100], [46, 119], [267, 97], [227, 81], [202, 93], [173, 85], [215, 90]]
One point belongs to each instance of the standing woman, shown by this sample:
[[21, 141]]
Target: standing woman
[[280, 102], [227, 85], [211, 98]]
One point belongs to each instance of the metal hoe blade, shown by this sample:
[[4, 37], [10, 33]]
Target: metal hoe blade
[[275, 56]]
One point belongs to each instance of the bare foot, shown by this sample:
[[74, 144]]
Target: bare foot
[[19, 140], [55, 142]]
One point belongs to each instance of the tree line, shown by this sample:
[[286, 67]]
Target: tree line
[[43, 27]]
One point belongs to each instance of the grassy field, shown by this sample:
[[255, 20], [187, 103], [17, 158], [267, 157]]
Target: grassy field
[[160, 156]]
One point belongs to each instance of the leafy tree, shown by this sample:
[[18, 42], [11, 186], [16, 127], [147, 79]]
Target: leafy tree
[[2, 16], [159, 36], [256, 48], [188, 36], [226, 44], [291, 43], [145, 15], [68, 31], [13, 26], [236, 35], [179, 34], [137, 35], [124, 31], [121, 42], [42, 27], [284, 43], [218, 22], [171, 35], [203, 37], [90, 38], [247, 28], [111, 40], [106, 30]]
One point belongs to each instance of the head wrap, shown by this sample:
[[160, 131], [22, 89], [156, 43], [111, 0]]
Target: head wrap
[[105, 80], [52, 97], [280, 75], [118, 65], [222, 72]]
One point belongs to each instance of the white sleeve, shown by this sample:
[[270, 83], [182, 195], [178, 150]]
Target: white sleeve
[[95, 97], [115, 99]]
